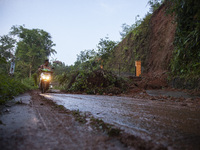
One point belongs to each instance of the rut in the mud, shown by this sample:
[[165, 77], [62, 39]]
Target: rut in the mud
[[39, 124], [170, 123]]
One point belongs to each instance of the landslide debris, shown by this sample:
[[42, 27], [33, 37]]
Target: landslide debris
[[97, 82], [152, 43]]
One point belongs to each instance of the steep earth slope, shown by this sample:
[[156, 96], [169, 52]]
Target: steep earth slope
[[162, 32], [153, 45]]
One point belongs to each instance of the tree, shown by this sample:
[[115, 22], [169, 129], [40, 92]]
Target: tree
[[33, 47], [59, 67], [7, 45], [86, 55], [91, 59], [154, 4], [126, 29], [85, 60], [105, 48]]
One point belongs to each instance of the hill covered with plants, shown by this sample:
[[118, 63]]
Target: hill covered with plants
[[166, 40]]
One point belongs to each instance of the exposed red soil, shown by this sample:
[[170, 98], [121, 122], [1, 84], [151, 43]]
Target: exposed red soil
[[161, 41], [160, 51], [154, 48]]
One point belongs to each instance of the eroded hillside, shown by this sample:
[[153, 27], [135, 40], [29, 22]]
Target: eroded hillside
[[152, 44]]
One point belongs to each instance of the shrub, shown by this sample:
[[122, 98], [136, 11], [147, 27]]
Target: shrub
[[98, 81], [10, 87]]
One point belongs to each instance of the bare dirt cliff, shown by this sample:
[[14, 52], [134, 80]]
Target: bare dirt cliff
[[162, 33], [153, 45]]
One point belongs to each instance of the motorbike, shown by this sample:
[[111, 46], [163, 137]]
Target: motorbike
[[45, 79]]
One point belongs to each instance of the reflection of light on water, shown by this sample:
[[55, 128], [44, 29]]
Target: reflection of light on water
[[34, 120], [150, 120], [45, 95]]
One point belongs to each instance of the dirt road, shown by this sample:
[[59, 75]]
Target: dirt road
[[172, 124], [35, 123]]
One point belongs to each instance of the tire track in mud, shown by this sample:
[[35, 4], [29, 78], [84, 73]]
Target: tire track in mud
[[60, 128], [50, 120], [38, 124], [41, 118]]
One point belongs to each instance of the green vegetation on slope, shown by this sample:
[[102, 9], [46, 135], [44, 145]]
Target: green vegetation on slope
[[186, 59], [137, 44], [112, 56], [87, 76], [133, 47]]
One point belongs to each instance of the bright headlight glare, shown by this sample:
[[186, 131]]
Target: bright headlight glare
[[45, 77]]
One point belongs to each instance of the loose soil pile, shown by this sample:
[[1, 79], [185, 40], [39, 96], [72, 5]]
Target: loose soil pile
[[97, 82]]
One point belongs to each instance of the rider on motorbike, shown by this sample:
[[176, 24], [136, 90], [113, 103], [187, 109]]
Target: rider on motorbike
[[43, 67]]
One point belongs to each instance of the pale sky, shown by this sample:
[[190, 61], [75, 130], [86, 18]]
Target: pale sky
[[74, 25]]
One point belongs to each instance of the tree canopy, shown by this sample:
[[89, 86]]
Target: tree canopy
[[33, 47]]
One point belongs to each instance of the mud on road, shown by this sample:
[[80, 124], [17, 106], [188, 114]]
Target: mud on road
[[174, 124], [36, 123], [31, 121]]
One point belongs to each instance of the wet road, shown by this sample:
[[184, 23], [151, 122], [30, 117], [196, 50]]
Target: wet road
[[36, 124], [172, 124]]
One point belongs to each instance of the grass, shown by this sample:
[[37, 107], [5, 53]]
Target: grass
[[109, 129], [78, 116], [10, 87]]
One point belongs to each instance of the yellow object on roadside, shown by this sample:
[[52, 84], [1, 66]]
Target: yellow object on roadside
[[138, 68]]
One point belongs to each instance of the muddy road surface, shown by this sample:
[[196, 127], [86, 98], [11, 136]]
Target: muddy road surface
[[175, 125], [31, 122]]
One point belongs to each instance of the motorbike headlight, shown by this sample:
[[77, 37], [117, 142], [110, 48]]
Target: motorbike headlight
[[43, 77]]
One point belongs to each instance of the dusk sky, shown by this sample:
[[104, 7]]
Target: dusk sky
[[74, 25]]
